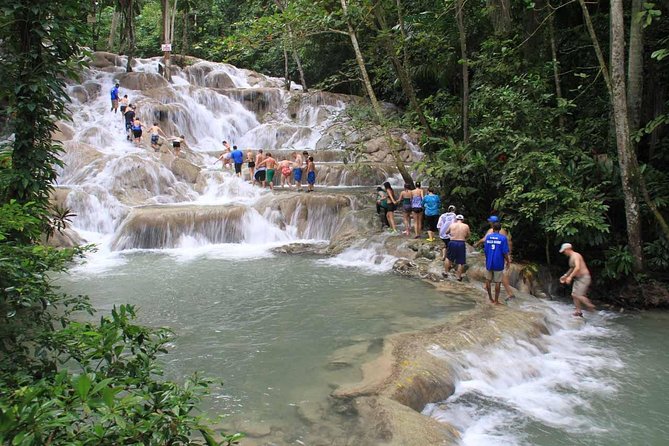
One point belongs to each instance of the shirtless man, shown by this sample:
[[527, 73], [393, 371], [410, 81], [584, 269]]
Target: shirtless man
[[226, 155], [579, 273], [505, 275], [457, 247], [285, 169], [270, 163], [261, 170], [298, 161], [155, 132]]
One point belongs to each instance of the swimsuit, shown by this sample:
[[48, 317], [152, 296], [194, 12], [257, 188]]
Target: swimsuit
[[137, 131], [285, 171], [417, 204], [176, 144], [270, 175], [297, 173], [311, 178], [154, 138], [406, 204], [252, 164], [260, 174], [457, 252]]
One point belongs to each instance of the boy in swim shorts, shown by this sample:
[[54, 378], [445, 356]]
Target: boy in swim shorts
[[311, 174]]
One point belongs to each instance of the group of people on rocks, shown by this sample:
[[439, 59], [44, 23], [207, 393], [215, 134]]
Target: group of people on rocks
[[134, 128], [454, 233], [267, 171]]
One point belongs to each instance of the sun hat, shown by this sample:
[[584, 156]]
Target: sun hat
[[459, 217], [493, 219], [564, 247]]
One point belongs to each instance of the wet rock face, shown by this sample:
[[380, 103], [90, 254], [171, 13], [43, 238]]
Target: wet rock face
[[185, 170], [218, 79], [141, 81], [101, 59]]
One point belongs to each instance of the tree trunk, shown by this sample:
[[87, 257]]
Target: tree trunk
[[298, 62], [184, 33], [169, 12], [556, 65], [459, 15], [400, 68], [286, 73], [372, 96], [626, 158], [635, 67], [113, 29], [595, 43], [500, 15]]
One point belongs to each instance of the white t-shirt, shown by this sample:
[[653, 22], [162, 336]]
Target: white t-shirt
[[443, 224]]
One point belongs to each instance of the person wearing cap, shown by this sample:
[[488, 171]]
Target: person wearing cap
[[496, 249], [114, 98], [579, 274], [445, 221], [457, 247], [505, 276]]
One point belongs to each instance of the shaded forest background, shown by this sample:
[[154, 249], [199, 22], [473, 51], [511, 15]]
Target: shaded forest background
[[516, 108]]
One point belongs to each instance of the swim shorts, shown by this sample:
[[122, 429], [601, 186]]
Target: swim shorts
[[297, 174], [417, 210], [391, 207], [457, 252], [580, 285], [494, 276], [431, 222], [238, 167], [270, 175], [137, 133], [285, 171], [260, 175], [176, 144], [311, 177], [123, 107], [252, 164], [154, 139]]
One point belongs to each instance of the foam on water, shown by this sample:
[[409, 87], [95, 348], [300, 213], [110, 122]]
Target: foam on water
[[550, 380], [368, 259]]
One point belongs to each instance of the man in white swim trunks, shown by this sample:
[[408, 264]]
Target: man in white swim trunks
[[579, 274]]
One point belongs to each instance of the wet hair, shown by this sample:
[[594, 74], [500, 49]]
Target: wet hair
[[155, 123], [305, 153], [225, 142], [260, 151], [311, 158], [431, 190], [125, 95], [117, 85], [496, 226], [417, 184], [182, 137], [387, 185], [451, 208], [269, 154], [406, 186], [234, 147], [379, 189]]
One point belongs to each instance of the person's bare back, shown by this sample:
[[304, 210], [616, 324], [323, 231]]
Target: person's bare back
[[459, 231]]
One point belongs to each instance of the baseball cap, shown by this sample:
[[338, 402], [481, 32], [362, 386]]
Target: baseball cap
[[493, 219], [564, 247], [459, 217], [451, 208]]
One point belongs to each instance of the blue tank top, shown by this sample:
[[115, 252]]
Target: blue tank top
[[136, 127], [416, 201]]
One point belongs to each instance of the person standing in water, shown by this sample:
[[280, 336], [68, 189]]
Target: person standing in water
[[226, 155], [432, 205], [497, 258], [136, 128], [155, 132], [298, 162], [114, 98], [286, 170], [579, 274], [123, 102], [445, 221], [270, 163], [391, 203], [311, 174], [261, 171], [129, 118], [405, 200], [457, 247], [382, 207], [238, 159], [417, 196], [176, 145], [250, 160], [505, 275]]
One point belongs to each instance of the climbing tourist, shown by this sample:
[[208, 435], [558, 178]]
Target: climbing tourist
[[114, 98], [382, 207], [270, 164], [123, 102], [505, 275], [155, 132], [298, 162], [176, 145], [432, 205], [391, 206], [445, 221], [226, 156], [129, 117], [457, 247], [260, 174], [136, 128], [286, 170], [238, 159], [496, 249], [250, 162], [311, 174], [405, 200], [578, 273], [417, 196]]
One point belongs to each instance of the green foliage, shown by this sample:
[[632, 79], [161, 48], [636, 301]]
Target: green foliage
[[618, 263]]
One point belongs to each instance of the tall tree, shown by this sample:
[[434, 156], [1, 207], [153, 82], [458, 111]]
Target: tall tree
[[169, 13], [128, 9], [282, 4], [635, 66], [462, 33]]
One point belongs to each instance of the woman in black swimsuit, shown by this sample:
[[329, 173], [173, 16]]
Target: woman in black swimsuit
[[251, 163], [392, 205]]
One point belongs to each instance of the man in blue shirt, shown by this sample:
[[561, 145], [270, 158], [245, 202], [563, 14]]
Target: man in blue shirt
[[114, 98], [496, 248], [238, 158]]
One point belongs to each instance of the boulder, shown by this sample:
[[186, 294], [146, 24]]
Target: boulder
[[141, 81], [218, 79], [64, 133], [101, 59], [79, 93], [66, 238], [92, 88], [185, 170]]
